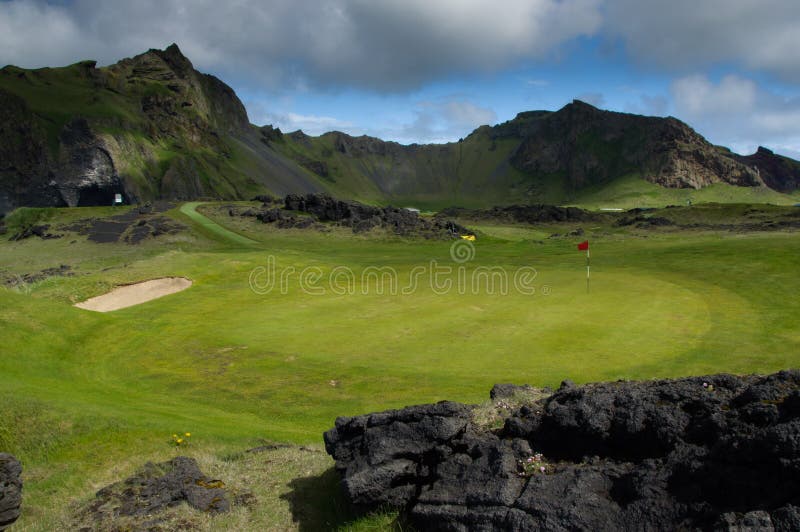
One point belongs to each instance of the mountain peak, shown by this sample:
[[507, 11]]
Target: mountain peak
[[173, 56], [580, 104]]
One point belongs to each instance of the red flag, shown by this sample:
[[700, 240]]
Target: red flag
[[583, 246]]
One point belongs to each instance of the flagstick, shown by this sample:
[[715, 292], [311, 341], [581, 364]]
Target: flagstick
[[587, 270]]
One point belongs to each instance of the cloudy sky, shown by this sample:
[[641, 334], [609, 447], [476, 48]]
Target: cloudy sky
[[433, 70]]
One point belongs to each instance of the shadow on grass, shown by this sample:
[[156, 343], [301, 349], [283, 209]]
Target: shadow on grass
[[317, 503]]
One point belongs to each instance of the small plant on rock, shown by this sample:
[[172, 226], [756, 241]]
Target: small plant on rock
[[533, 465]]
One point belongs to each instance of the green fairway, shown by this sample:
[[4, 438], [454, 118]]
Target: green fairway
[[87, 396], [190, 210]]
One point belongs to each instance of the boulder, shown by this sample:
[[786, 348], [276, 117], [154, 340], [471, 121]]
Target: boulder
[[716, 452], [10, 490]]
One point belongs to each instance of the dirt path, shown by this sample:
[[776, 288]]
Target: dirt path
[[135, 294], [189, 209]]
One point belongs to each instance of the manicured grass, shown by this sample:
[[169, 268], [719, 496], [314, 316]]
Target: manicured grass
[[87, 397], [189, 209]]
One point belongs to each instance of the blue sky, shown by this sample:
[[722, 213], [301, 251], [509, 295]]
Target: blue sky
[[421, 71]]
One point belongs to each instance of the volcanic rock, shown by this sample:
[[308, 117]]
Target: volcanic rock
[[10, 490], [158, 487], [715, 452]]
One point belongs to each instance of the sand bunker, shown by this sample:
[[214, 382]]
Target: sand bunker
[[135, 294]]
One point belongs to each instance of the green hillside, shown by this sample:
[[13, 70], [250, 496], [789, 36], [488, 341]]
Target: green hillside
[[149, 127]]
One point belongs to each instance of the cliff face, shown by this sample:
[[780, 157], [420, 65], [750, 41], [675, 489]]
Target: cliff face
[[80, 172], [778, 172]]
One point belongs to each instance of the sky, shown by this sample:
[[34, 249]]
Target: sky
[[433, 70]]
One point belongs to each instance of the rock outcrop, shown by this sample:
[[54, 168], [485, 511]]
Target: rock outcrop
[[590, 146], [778, 172], [530, 214], [718, 452], [10, 490], [155, 489], [358, 216]]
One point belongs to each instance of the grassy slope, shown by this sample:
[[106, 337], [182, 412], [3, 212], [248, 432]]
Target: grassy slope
[[470, 173], [631, 191], [86, 397]]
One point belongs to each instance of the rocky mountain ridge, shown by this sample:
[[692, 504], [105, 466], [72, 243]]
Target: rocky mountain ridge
[[153, 127]]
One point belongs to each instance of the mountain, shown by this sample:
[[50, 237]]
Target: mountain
[[778, 172], [153, 127], [148, 127], [537, 156]]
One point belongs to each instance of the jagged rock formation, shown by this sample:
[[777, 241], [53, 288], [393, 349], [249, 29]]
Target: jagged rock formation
[[10, 490], [717, 452]]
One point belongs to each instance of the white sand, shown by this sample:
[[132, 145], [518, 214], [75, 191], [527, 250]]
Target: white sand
[[135, 294]]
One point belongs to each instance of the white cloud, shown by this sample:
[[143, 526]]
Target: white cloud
[[392, 45], [755, 34], [592, 98], [736, 110], [648, 105], [537, 83], [310, 124], [37, 35], [440, 121], [696, 95]]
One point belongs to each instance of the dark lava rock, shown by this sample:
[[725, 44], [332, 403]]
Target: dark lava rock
[[719, 452], [158, 487], [132, 227], [266, 199], [300, 211], [504, 391], [42, 231], [10, 490], [63, 270], [529, 214], [644, 222]]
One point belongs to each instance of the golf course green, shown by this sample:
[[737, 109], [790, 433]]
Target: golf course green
[[86, 397]]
